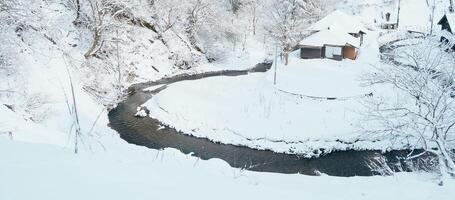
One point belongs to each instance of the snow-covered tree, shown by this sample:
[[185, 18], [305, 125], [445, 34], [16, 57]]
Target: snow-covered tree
[[168, 14], [423, 110], [235, 5], [99, 19], [287, 20], [7, 70], [255, 10], [198, 14]]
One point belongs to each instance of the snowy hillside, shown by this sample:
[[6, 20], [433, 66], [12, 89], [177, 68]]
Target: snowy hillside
[[66, 64]]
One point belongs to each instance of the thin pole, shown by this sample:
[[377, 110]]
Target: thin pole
[[118, 65], [432, 16], [398, 15], [275, 62]]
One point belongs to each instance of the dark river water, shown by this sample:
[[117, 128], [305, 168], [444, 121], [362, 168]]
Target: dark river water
[[150, 133]]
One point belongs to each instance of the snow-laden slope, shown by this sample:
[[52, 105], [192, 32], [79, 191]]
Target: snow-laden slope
[[31, 171], [42, 48]]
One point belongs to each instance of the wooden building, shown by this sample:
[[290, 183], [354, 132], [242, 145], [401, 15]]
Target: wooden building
[[341, 21], [331, 44], [447, 29]]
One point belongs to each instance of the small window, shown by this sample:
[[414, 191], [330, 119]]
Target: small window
[[331, 51]]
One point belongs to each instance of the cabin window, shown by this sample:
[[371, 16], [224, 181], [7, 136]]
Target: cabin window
[[332, 52]]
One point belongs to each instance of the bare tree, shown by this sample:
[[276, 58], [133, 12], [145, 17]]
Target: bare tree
[[168, 14], [235, 5], [423, 110], [12, 14], [287, 20], [198, 13], [76, 5], [101, 15], [97, 25], [254, 8]]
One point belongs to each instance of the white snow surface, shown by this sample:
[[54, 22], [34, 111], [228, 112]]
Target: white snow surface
[[339, 20], [36, 171], [37, 159], [293, 116], [331, 37], [297, 115]]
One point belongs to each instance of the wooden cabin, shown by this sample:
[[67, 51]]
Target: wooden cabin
[[447, 23], [329, 44], [342, 22]]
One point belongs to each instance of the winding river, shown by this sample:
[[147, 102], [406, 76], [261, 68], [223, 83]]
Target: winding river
[[151, 133]]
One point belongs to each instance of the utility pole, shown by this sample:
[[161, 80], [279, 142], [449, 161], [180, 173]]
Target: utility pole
[[275, 62], [432, 16], [398, 14]]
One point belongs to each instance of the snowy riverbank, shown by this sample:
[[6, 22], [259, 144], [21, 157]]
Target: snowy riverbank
[[316, 104]]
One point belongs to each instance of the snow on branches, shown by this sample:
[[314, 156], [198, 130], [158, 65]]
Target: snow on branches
[[287, 20], [422, 107]]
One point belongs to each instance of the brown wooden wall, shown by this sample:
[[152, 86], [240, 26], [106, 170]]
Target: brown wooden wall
[[349, 52]]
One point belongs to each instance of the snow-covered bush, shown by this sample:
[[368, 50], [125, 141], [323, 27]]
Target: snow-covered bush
[[37, 107], [423, 111]]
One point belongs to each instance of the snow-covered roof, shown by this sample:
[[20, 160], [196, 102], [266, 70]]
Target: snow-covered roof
[[451, 19], [330, 37], [339, 20], [448, 36]]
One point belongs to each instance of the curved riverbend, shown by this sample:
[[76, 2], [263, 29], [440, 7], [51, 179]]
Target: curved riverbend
[[152, 134]]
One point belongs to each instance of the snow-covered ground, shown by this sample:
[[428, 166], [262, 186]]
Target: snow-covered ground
[[33, 171], [36, 147], [414, 14], [109, 168], [297, 115]]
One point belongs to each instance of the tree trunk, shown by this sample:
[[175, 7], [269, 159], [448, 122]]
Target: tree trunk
[[446, 163], [78, 11], [92, 49], [254, 20], [286, 58]]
